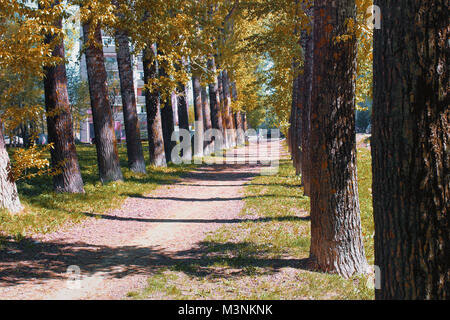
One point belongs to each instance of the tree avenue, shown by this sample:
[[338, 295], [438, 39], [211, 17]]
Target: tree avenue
[[308, 68]]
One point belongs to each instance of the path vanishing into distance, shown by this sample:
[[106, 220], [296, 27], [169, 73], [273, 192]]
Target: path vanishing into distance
[[117, 251]]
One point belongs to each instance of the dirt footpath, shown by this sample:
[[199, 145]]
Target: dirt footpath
[[115, 252]]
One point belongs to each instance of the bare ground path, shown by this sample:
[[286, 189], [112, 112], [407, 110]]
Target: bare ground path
[[117, 251]]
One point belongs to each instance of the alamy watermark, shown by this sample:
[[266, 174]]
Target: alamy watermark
[[215, 146], [374, 21]]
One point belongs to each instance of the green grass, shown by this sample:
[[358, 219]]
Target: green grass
[[46, 211], [264, 259]]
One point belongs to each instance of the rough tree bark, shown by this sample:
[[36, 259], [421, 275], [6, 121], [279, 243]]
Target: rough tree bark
[[237, 119], [411, 151], [135, 152], [207, 125], [105, 138], [198, 136], [306, 106], [168, 125], [222, 109], [9, 198], [152, 105], [59, 122], [336, 240], [183, 115], [214, 99], [296, 128], [227, 109]]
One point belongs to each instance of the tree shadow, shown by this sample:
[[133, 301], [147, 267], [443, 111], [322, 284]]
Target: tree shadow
[[26, 261], [221, 221], [214, 198]]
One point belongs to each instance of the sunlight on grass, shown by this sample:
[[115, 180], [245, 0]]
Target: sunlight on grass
[[46, 211], [265, 256]]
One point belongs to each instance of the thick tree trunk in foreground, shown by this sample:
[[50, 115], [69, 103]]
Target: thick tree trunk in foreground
[[306, 108], [105, 138], [411, 150], [336, 240], [198, 136], [152, 104], [135, 153], [207, 125], [59, 124], [214, 99], [9, 198]]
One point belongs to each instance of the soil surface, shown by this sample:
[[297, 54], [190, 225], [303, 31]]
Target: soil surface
[[114, 253]]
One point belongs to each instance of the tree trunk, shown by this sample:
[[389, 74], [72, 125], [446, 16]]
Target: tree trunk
[[135, 153], [9, 198], [214, 99], [295, 114], [336, 240], [59, 123], [208, 145], [306, 107], [227, 109], [244, 121], [105, 138], [183, 117], [168, 125], [237, 119], [222, 109], [168, 128], [410, 150], [152, 105], [183, 114], [198, 137]]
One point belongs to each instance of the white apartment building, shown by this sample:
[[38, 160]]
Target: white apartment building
[[109, 50]]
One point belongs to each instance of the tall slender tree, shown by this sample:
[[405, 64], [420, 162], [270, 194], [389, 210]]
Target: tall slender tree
[[222, 109], [135, 152], [9, 197], [214, 98], [168, 125], [59, 120], [295, 121], [227, 109], [153, 108], [183, 114], [198, 111], [336, 239], [207, 125], [105, 138], [305, 97], [237, 119], [411, 150]]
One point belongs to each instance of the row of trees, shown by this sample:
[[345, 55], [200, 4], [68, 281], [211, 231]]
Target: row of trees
[[177, 43], [409, 143], [308, 61]]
